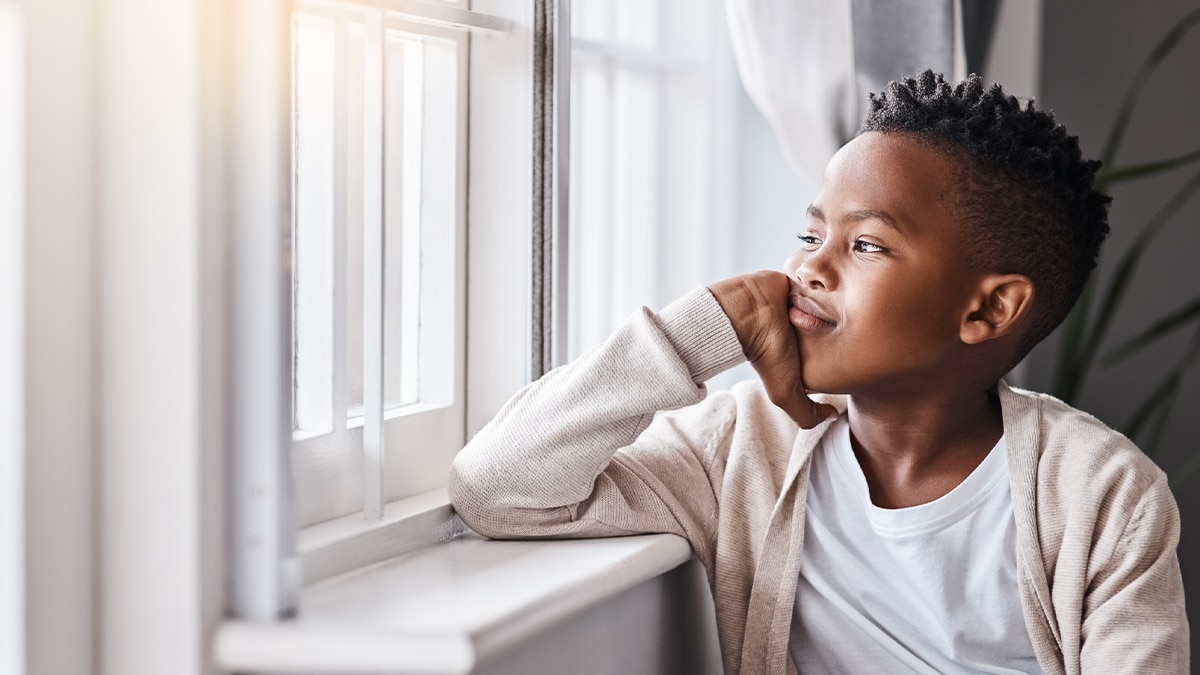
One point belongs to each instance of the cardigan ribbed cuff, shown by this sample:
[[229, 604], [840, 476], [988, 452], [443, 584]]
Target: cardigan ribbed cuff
[[701, 334]]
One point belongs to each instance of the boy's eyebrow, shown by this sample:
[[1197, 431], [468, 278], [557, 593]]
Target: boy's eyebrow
[[862, 214]]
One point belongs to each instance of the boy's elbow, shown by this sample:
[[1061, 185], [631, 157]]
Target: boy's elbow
[[489, 509], [474, 499], [468, 498]]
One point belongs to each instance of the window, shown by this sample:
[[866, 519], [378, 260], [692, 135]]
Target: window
[[391, 318], [378, 201], [381, 165], [12, 385], [651, 130], [379, 155]]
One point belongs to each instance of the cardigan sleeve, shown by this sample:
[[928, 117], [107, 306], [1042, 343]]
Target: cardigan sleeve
[[1134, 618], [584, 452]]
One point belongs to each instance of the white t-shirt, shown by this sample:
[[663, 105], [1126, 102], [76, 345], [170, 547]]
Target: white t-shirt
[[926, 589]]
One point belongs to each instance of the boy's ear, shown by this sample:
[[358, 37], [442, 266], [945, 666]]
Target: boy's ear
[[1001, 305]]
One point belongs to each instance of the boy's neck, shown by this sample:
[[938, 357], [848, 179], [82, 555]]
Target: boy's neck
[[916, 449]]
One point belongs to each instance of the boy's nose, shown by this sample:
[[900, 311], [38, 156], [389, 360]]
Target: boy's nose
[[814, 271]]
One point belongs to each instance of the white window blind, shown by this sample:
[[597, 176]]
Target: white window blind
[[12, 384]]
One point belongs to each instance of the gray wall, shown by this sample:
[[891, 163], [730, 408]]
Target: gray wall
[[1091, 50], [665, 626]]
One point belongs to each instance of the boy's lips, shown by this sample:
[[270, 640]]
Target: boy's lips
[[806, 314]]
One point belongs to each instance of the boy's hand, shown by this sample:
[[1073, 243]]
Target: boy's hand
[[757, 306]]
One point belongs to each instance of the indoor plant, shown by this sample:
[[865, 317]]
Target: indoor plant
[[1084, 331]]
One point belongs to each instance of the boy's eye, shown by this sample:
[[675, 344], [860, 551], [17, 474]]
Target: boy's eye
[[809, 240], [867, 247]]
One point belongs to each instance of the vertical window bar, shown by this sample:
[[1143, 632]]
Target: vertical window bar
[[373, 255], [266, 570], [562, 181], [550, 237], [340, 383], [12, 314], [541, 288]]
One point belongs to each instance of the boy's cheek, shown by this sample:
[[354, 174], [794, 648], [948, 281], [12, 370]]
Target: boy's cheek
[[792, 262], [817, 369]]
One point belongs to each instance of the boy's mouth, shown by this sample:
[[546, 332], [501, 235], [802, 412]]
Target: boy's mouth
[[806, 314]]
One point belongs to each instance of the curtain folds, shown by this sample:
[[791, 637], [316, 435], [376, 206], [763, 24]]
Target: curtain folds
[[808, 65]]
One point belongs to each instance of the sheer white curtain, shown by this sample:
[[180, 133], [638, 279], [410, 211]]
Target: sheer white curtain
[[808, 65]]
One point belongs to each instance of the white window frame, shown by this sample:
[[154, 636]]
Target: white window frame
[[498, 167], [498, 231], [380, 456], [500, 172]]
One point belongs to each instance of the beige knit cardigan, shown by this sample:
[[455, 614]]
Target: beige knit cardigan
[[586, 452]]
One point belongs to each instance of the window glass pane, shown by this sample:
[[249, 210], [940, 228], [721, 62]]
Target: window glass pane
[[615, 126], [591, 188], [421, 212], [313, 222], [649, 134], [635, 23], [403, 129], [635, 195], [591, 21], [355, 54], [625, 23]]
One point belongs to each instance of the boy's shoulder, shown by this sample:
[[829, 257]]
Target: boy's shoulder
[[1063, 428], [1075, 457]]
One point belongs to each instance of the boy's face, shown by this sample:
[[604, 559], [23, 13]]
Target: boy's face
[[880, 285]]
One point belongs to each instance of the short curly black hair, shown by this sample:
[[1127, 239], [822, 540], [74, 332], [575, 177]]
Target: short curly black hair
[[1026, 201]]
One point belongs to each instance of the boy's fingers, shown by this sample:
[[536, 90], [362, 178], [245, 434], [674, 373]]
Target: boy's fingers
[[782, 377], [757, 306], [789, 395], [811, 413]]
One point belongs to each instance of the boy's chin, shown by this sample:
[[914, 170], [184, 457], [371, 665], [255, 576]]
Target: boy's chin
[[826, 391], [817, 382]]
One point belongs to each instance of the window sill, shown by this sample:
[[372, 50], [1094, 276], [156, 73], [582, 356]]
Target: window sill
[[349, 543], [446, 607]]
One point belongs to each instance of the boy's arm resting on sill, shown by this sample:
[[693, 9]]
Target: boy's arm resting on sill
[[581, 453], [1134, 617]]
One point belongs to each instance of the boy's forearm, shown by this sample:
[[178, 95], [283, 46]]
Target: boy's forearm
[[529, 469]]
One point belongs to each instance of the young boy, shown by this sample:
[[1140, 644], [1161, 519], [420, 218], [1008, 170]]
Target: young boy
[[930, 518]]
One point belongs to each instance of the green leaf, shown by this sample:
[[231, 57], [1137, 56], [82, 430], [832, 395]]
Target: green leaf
[[1156, 57], [1079, 345], [1158, 330], [1172, 38], [1119, 174]]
